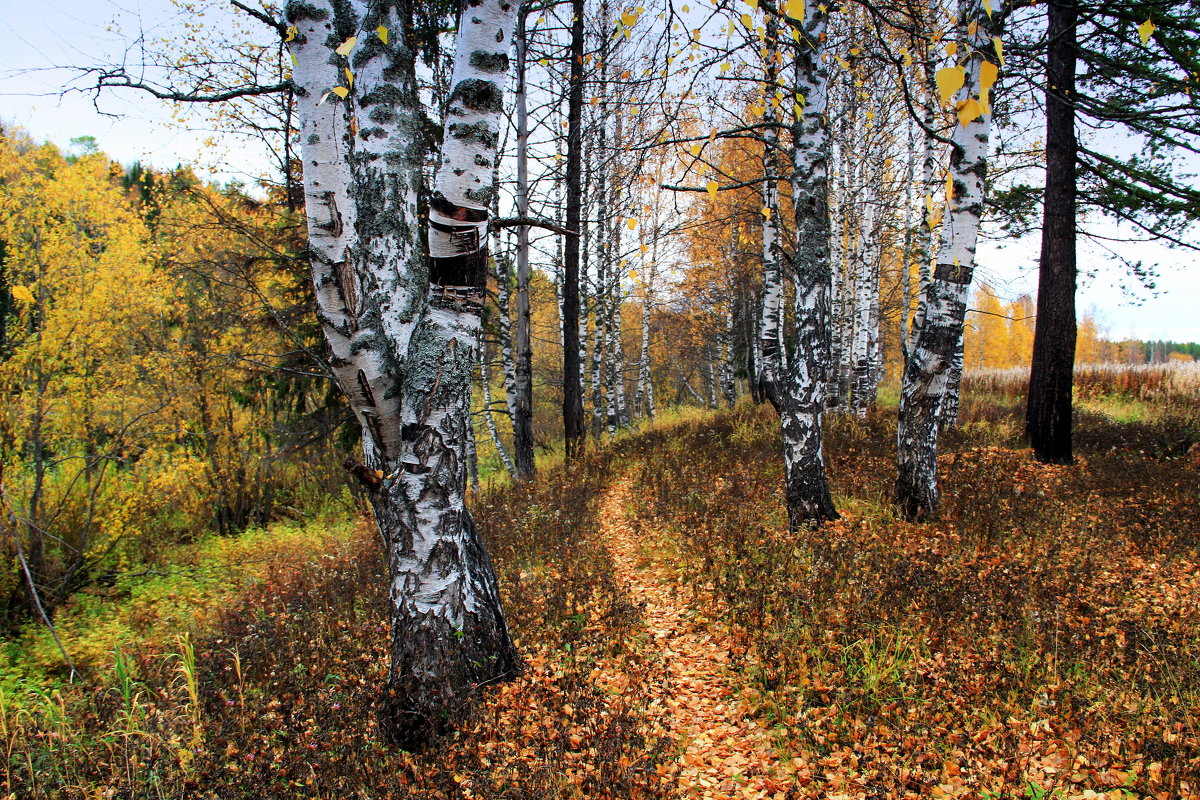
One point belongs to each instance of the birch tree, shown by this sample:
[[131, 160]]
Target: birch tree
[[802, 396], [937, 330], [403, 329]]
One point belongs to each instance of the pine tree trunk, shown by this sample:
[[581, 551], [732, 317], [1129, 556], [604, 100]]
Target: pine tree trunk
[[937, 335], [801, 400], [1049, 409], [403, 331], [573, 428], [523, 408]]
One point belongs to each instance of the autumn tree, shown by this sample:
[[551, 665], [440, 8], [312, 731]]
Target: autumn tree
[[937, 332]]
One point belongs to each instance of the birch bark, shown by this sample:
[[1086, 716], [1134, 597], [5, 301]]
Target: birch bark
[[937, 333], [802, 388], [403, 329], [771, 361]]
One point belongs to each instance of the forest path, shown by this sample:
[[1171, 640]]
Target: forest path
[[722, 751]]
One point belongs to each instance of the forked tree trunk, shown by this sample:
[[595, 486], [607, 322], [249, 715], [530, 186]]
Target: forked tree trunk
[[936, 334], [403, 330], [1049, 409], [801, 399]]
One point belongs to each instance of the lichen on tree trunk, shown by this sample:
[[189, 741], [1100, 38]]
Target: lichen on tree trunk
[[403, 328]]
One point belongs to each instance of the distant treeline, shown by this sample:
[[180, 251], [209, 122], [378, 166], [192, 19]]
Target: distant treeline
[[1133, 351]]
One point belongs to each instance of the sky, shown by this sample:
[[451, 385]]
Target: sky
[[38, 38]]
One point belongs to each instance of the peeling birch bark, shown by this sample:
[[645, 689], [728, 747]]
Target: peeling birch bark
[[403, 330], [937, 331]]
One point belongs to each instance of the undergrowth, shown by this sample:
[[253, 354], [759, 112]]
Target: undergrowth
[[1044, 632], [278, 698], [1041, 638]]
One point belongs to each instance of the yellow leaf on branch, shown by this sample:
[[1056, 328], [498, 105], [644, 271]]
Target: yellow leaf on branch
[[1146, 30], [345, 47], [711, 188], [22, 293], [382, 33], [949, 80], [796, 9], [969, 110], [987, 75]]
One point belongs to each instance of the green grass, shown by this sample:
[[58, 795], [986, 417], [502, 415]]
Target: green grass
[[148, 608]]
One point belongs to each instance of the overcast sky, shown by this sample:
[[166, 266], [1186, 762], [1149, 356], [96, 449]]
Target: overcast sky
[[37, 37]]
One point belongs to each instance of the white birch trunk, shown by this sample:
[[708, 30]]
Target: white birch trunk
[[937, 336], [770, 327], [489, 419], [802, 388], [402, 332]]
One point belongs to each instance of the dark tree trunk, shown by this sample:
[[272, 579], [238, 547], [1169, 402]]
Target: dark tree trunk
[[523, 412], [572, 389], [1048, 413]]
